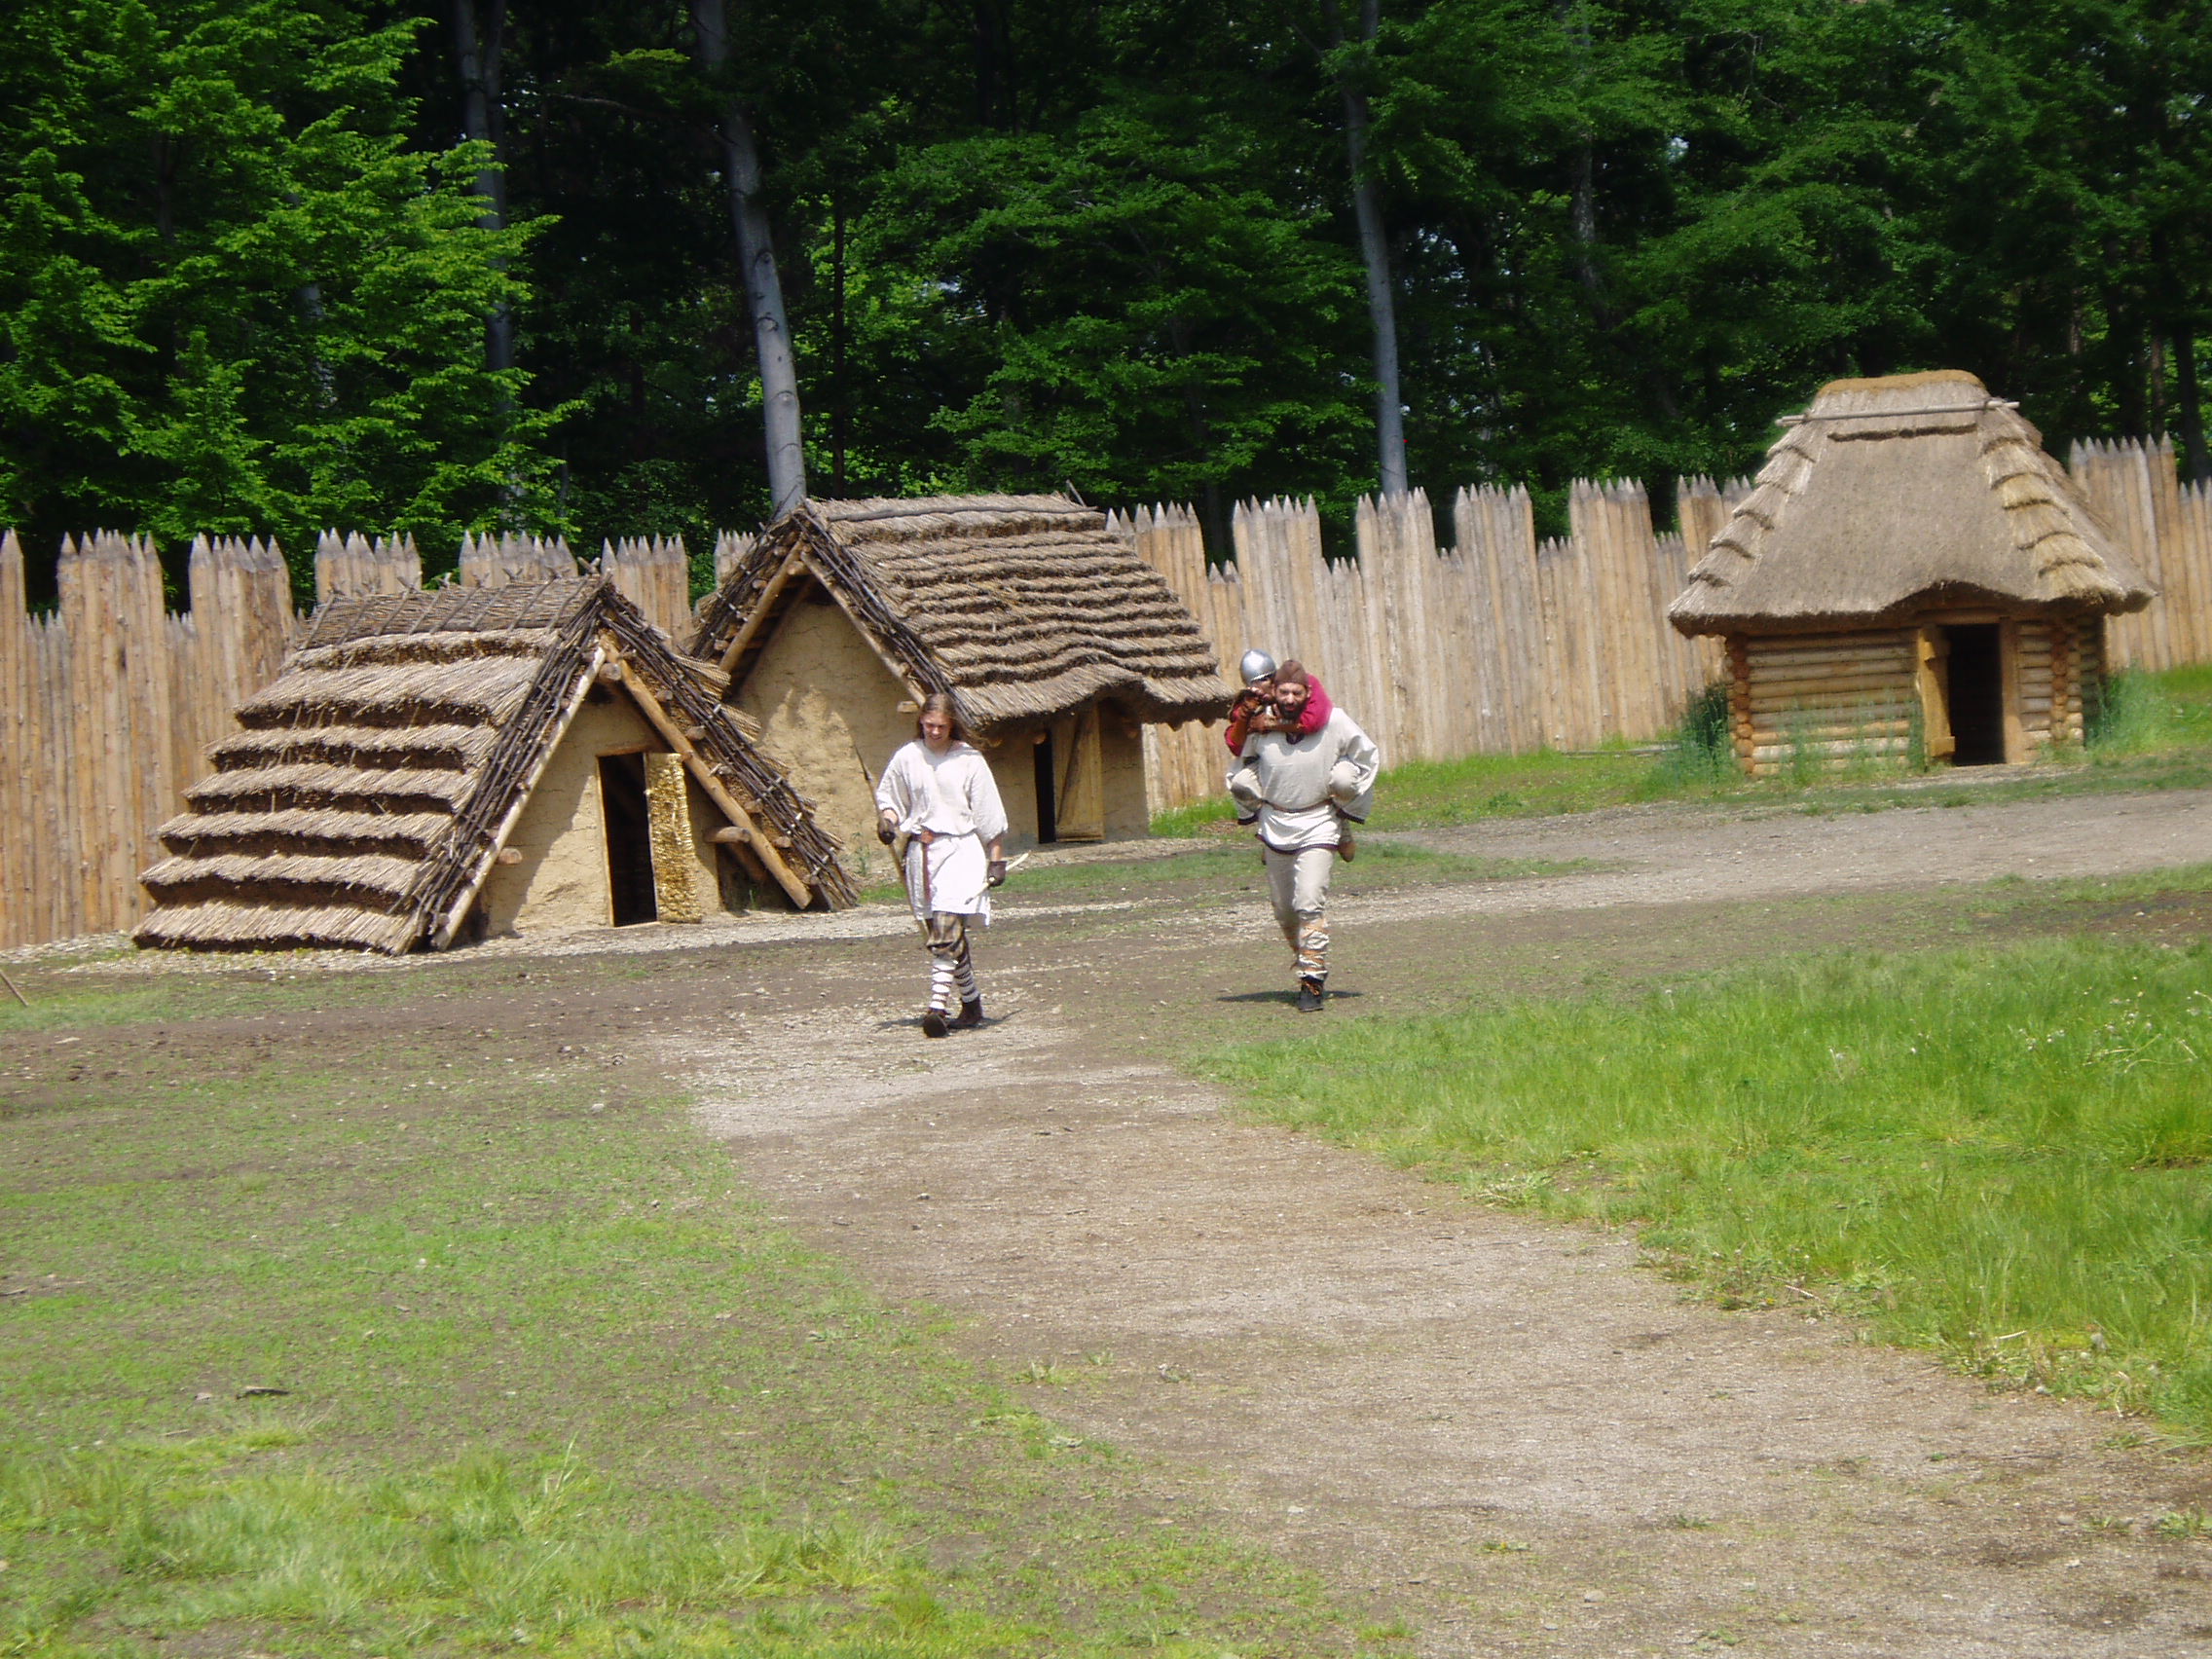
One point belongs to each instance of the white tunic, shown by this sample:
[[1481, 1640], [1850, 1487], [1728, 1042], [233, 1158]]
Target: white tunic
[[1303, 783], [955, 799]]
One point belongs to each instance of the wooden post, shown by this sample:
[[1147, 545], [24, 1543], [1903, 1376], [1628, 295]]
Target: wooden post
[[152, 736], [2009, 690], [668, 835], [18, 830], [1512, 521], [2188, 637], [1931, 651], [1553, 681], [2192, 546], [66, 790], [86, 584], [1308, 569]]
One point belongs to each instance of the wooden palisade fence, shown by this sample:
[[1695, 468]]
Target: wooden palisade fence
[[1503, 642], [108, 704], [1500, 641]]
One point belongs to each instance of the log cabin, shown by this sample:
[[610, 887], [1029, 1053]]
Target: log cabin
[[1911, 581]]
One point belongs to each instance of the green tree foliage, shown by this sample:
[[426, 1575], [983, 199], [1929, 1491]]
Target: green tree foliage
[[1026, 245], [235, 293], [1218, 357]]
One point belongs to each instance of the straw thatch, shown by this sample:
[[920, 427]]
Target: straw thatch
[[1022, 607], [374, 781], [1896, 494]]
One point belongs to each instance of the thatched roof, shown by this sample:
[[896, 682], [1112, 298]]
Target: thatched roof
[[1894, 495], [373, 783], [1022, 607]]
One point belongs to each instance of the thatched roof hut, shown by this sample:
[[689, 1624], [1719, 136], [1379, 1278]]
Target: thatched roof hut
[[1021, 606], [1048, 631], [1888, 495], [376, 785], [1908, 536]]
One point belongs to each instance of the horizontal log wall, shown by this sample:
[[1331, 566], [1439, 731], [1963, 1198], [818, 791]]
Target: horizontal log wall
[[109, 703], [1826, 700], [1836, 699]]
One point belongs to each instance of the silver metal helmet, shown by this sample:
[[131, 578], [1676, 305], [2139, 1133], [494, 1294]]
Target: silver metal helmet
[[1255, 666]]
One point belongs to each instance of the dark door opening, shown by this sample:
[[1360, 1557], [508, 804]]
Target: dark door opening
[[1976, 694], [1047, 777], [629, 839]]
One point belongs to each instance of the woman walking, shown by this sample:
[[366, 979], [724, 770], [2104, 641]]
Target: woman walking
[[938, 804]]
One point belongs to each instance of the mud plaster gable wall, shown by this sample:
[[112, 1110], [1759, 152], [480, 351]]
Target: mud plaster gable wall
[[561, 882], [1122, 759], [829, 711]]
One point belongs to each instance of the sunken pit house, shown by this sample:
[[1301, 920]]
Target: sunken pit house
[[1911, 580], [432, 767], [1055, 641]]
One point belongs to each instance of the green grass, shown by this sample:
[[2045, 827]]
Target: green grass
[[481, 1554], [1434, 794], [553, 1379], [2153, 714], [2156, 733], [1999, 1153]]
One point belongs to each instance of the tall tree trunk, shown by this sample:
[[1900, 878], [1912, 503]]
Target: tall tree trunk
[[478, 47], [763, 292], [1375, 255], [840, 395], [1582, 225], [1582, 228]]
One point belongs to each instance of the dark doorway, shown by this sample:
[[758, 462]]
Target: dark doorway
[[629, 839], [1047, 820], [1976, 694]]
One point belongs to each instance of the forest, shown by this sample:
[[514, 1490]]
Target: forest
[[271, 266]]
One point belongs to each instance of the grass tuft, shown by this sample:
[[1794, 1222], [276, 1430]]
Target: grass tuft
[[484, 1552], [1996, 1154]]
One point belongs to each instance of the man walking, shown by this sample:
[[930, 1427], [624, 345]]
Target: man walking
[[938, 796], [1302, 789]]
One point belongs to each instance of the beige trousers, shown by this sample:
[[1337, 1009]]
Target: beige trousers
[[1298, 886]]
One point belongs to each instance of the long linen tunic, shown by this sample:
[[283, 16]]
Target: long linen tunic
[[955, 799], [1304, 783]]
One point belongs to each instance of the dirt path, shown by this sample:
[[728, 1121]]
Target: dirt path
[[1500, 1428]]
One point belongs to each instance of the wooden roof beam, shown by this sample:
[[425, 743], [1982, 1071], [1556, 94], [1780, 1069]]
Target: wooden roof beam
[[764, 612]]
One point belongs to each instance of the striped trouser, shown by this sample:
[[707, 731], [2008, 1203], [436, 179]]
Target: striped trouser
[[1298, 887], [952, 968]]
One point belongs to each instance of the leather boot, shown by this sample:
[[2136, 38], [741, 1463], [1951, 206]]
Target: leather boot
[[1311, 998], [934, 1023], [971, 1015]]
